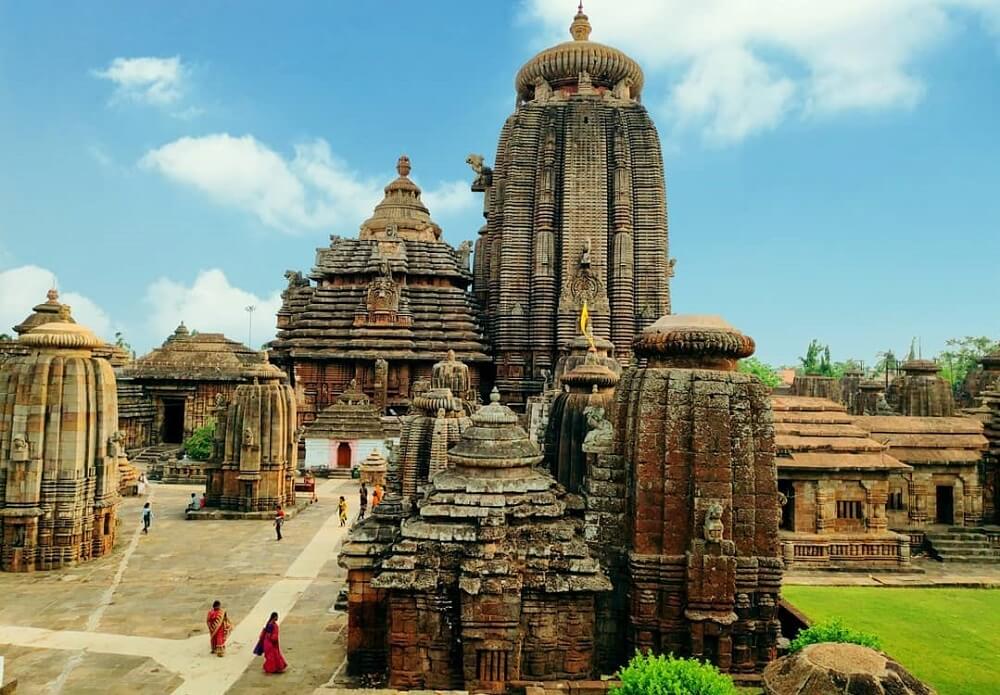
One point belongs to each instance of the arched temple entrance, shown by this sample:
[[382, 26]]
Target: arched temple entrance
[[344, 455]]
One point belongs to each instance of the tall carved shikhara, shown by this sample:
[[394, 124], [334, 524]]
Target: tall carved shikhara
[[575, 209]]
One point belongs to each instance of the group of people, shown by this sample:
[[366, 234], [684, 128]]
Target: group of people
[[376, 495], [268, 645]]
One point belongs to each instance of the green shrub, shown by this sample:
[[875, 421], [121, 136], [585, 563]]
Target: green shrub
[[666, 675], [199, 445], [833, 631]]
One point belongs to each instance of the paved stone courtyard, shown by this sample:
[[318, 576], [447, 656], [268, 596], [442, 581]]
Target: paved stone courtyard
[[133, 622]]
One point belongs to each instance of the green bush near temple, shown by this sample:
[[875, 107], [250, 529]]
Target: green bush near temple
[[946, 637], [199, 445], [833, 631], [667, 675]]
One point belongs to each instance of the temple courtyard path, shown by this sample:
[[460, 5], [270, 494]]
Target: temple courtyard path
[[133, 622]]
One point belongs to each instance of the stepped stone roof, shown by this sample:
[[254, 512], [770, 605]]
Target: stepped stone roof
[[49, 311], [492, 519], [195, 357], [561, 65], [351, 417], [818, 434], [916, 440], [397, 292]]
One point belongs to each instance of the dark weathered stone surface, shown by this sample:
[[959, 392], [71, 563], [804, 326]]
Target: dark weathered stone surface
[[831, 669], [576, 212], [697, 436], [923, 391]]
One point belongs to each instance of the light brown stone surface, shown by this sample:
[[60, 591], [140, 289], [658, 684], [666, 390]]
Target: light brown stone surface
[[157, 608], [829, 669]]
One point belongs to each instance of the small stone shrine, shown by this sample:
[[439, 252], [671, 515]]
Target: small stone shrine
[[373, 469], [705, 562], [380, 309], [815, 386], [923, 391], [60, 449], [170, 392], [252, 468], [438, 417], [490, 581], [345, 433]]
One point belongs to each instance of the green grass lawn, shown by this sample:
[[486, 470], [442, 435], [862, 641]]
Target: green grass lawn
[[949, 638]]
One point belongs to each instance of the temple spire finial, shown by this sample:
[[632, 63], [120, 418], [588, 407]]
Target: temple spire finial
[[403, 165], [580, 28]]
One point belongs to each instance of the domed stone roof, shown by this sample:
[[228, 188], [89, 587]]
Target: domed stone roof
[[704, 341], [401, 214], [840, 668], [49, 311], [562, 64]]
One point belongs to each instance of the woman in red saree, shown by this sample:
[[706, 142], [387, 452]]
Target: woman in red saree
[[267, 646], [219, 628]]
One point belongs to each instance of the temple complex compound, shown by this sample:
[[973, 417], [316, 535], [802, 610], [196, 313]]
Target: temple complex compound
[[60, 449], [380, 309], [252, 468], [169, 393], [576, 212]]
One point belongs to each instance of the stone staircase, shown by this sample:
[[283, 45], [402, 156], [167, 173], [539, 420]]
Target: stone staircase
[[152, 454], [961, 544]]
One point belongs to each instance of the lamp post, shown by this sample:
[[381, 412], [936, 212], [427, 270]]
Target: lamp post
[[250, 309]]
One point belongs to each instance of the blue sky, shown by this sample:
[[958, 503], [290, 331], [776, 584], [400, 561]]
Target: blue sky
[[832, 168]]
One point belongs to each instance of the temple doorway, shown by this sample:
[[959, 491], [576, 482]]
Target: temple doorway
[[945, 504], [173, 421], [344, 455]]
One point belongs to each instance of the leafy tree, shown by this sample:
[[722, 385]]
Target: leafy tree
[[6, 336], [962, 357], [123, 344], [884, 361], [816, 361], [199, 445], [763, 371], [646, 674], [833, 631]]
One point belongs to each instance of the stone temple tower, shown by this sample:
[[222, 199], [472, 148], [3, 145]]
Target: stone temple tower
[[60, 449], [576, 212]]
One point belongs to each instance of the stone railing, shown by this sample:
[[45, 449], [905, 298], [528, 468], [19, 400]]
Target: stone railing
[[841, 551]]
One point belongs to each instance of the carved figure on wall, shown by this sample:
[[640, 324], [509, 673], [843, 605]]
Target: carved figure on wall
[[19, 449], [296, 279], [546, 379], [475, 162], [601, 432], [543, 91], [464, 252], [221, 401], [116, 445], [248, 437], [713, 523], [381, 371], [392, 231], [585, 254], [484, 175], [622, 89]]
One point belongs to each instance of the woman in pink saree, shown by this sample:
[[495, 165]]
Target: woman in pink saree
[[267, 646]]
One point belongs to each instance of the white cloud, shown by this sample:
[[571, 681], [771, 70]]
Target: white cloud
[[23, 287], [156, 81], [450, 198], [210, 305], [746, 65], [313, 189]]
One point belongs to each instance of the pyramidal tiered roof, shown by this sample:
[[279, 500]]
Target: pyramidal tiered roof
[[352, 417], [396, 292], [493, 519], [196, 357]]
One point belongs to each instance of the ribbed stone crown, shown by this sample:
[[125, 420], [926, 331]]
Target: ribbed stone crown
[[562, 64], [401, 214], [693, 341]]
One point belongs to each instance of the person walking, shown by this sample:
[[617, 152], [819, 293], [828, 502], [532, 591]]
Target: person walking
[[362, 501], [279, 520], [269, 647], [147, 517], [342, 509], [141, 485], [219, 628]]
